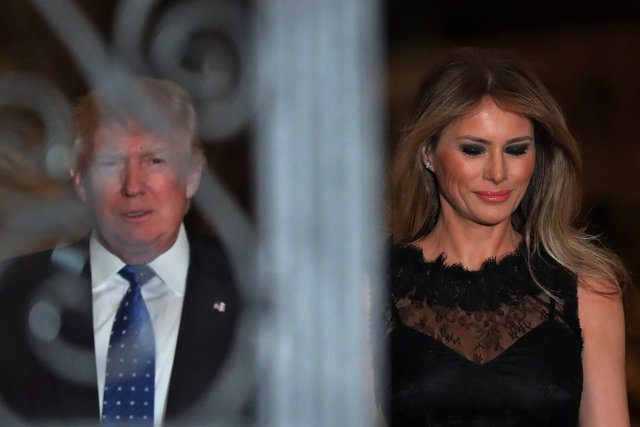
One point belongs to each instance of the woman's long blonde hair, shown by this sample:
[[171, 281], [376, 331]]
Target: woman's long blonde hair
[[547, 215]]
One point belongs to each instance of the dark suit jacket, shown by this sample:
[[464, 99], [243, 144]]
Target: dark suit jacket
[[47, 363]]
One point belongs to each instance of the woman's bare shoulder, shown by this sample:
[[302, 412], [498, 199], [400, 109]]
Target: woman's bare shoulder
[[601, 313], [600, 307]]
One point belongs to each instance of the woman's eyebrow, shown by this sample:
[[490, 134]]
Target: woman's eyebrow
[[524, 138]]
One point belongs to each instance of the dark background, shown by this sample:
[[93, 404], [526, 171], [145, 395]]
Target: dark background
[[587, 52]]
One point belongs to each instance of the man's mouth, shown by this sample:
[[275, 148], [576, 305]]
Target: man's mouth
[[136, 214]]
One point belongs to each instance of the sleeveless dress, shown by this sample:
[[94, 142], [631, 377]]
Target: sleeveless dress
[[482, 348]]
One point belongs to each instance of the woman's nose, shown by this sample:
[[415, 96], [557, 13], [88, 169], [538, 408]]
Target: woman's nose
[[496, 169]]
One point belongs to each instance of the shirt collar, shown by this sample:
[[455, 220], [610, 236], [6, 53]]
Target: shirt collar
[[171, 266]]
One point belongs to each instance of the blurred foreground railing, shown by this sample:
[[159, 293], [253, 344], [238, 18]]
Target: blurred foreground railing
[[318, 155]]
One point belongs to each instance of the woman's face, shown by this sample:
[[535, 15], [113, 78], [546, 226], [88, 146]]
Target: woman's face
[[483, 163]]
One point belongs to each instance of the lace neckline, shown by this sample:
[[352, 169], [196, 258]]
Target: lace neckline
[[490, 263], [479, 313], [497, 282]]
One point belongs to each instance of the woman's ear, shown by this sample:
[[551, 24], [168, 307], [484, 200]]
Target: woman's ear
[[426, 157]]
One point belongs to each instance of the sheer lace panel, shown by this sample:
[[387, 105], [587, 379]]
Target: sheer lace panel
[[479, 336]]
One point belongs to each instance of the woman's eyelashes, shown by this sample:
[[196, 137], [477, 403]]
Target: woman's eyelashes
[[474, 150], [517, 149]]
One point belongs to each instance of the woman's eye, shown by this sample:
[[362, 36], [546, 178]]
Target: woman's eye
[[472, 150], [517, 150]]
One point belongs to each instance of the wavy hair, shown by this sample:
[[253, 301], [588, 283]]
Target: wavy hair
[[548, 212], [148, 104]]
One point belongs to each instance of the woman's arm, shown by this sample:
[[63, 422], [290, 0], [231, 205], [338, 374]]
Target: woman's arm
[[604, 396]]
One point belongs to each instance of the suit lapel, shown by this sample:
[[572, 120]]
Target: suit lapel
[[206, 326], [77, 328], [48, 377]]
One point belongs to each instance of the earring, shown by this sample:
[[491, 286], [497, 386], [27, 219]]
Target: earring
[[425, 160]]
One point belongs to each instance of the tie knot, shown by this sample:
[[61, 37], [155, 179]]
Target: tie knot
[[136, 275]]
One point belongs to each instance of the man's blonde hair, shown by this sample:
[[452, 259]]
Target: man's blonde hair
[[153, 106]]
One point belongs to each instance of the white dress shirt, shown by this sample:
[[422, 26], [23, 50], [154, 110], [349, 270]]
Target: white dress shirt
[[163, 296]]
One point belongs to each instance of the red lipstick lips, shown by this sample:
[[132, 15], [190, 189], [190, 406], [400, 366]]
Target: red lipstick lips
[[494, 196]]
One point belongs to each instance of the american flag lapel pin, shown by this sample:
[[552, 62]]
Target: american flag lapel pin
[[219, 306]]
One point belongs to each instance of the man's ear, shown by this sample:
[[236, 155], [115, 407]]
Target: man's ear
[[194, 174], [78, 184]]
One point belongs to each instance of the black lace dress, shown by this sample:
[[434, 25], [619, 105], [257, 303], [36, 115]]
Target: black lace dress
[[482, 348]]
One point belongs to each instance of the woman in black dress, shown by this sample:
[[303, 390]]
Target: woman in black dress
[[502, 312]]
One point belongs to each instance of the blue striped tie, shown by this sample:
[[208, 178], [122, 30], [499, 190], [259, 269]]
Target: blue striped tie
[[131, 360]]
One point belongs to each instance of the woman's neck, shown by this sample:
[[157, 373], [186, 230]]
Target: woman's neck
[[468, 243]]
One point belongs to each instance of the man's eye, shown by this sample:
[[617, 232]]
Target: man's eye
[[517, 150], [472, 150], [158, 161], [108, 162]]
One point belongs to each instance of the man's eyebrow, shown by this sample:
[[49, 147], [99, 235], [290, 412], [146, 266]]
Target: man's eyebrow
[[146, 151], [524, 138], [106, 153]]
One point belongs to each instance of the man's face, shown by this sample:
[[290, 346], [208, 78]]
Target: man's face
[[137, 186]]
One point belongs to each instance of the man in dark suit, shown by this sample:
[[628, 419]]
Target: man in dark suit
[[62, 312]]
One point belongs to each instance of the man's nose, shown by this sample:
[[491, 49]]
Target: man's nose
[[496, 169], [133, 179]]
